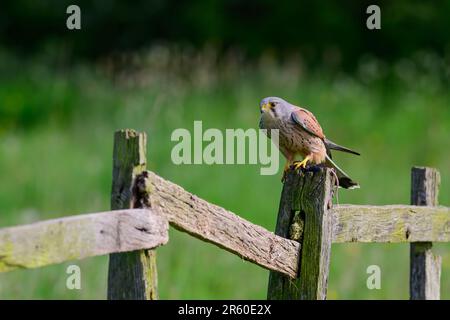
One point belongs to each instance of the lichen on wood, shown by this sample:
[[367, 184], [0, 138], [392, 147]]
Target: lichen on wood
[[425, 267], [81, 236], [131, 275], [304, 215], [201, 219]]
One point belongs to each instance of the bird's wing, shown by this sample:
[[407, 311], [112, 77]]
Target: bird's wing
[[308, 122]]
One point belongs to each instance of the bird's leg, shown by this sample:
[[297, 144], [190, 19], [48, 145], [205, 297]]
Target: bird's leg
[[303, 163]]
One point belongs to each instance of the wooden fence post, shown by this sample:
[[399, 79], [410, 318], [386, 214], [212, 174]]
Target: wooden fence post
[[132, 275], [425, 267], [304, 216]]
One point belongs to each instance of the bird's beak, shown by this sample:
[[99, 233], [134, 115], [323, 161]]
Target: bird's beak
[[265, 107]]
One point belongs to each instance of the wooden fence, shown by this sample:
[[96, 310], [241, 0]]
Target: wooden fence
[[298, 253]]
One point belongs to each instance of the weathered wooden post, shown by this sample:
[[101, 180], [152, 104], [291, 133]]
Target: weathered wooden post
[[425, 267], [132, 275], [303, 216]]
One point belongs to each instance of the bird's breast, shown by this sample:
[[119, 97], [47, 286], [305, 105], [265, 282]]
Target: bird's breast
[[268, 122], [286, 135], [293, 139]]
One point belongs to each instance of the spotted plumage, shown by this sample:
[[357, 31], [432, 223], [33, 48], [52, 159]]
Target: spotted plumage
[[300, 134]]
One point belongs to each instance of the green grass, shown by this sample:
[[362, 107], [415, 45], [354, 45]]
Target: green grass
[[56, 131]]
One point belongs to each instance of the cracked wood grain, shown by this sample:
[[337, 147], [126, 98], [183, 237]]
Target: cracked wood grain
[[316, 202], [425, 267], [211, 223], [304, 215], [390, 224], [350, 223], [131, 275], [77, 237]]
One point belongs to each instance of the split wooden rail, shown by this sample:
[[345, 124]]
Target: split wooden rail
[[297, 254]]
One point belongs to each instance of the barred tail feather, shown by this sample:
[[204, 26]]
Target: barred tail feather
[[331, 145]]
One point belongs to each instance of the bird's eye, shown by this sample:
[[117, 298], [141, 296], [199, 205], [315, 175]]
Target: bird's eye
[[273, 104]]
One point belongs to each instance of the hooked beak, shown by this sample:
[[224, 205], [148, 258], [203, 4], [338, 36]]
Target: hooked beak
[[265, 107]]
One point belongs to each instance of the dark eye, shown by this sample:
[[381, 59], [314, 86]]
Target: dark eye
[[273, 104]]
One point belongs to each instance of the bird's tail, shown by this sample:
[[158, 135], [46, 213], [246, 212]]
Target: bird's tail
[[331, 145], [344, 180]]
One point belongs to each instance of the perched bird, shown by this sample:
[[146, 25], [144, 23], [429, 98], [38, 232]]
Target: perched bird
[[301, 134]]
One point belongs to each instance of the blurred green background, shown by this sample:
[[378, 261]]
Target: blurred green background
[[158, 65]]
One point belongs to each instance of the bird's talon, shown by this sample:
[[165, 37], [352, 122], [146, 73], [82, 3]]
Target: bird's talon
[[302, 164]]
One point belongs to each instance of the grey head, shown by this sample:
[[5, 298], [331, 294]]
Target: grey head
[[276, 107]]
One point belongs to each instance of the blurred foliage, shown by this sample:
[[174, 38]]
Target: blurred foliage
[[56, 130], [58, 89], [330, 29], [159, 65]]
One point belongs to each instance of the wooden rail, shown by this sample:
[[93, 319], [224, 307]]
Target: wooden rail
[[77, 237], [297, 254], [390, 224], [208, 222], [60, 239]]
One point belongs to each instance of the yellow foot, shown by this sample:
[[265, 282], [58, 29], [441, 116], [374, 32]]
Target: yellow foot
[[302, 164]]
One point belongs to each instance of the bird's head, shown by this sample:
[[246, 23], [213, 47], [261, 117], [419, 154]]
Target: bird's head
[[274, 106]]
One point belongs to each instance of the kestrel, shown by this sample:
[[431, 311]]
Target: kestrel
[[301, 134]]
